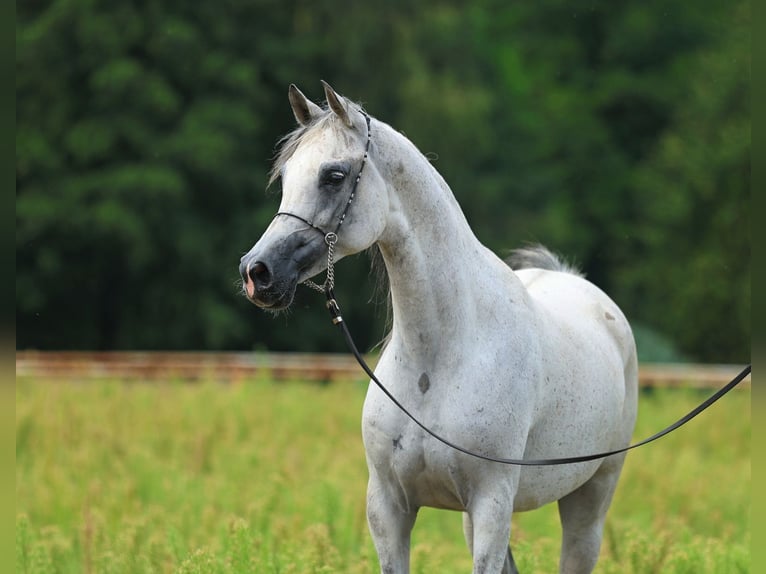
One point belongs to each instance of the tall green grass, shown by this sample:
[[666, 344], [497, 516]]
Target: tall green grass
[[267, 477]]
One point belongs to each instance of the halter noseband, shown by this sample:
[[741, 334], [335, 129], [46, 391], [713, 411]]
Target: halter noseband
[[331, 237]]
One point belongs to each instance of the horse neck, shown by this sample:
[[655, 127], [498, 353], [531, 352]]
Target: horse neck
[[432, 257]]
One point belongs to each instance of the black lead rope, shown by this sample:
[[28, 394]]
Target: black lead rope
[[332, 306]]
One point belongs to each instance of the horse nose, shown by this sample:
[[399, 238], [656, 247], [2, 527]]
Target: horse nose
[[260, 274], [255, 277]]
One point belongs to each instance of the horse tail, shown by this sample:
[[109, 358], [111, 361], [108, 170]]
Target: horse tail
[[540, 257]]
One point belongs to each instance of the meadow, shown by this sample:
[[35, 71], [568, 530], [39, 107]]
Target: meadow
[[270, 478]]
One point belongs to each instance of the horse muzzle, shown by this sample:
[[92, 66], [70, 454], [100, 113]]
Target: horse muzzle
[[272, 269], [261, 288]]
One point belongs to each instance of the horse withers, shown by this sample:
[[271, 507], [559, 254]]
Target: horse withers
[[521, 360]]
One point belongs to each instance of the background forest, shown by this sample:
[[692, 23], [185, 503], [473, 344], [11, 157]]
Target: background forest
[[616, 133]]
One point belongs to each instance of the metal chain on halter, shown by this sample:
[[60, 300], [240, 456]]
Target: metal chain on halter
[[330, 239]]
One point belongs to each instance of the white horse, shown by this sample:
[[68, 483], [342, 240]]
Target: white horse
[[534, 362]]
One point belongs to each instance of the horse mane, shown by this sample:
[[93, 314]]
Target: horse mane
[[540, 257], [381, 294]]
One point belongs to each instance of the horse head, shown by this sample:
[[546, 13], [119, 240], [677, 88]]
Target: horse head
[[330, 185]]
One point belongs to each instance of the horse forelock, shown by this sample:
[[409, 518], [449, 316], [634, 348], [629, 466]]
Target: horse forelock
[[288, 144]]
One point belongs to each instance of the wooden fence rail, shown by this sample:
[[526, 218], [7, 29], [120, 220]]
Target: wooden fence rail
[[236, 367]]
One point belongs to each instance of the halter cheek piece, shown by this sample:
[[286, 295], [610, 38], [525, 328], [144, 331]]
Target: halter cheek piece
[[331, 237]]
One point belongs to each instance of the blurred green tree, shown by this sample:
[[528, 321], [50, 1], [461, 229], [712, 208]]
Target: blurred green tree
[[692, 196], [145, 131]]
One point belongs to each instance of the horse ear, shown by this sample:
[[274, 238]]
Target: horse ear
[[337, 104], [305, 110]]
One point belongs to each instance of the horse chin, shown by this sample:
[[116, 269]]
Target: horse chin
[[274, 307], [276, 300]]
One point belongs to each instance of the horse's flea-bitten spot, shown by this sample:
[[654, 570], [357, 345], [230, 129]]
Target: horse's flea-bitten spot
[[397, 443], [424, 383], [609, 316]]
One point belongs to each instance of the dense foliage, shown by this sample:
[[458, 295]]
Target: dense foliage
[[616, 133]]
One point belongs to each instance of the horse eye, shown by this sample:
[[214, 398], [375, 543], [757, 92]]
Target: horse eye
[[333, 177]]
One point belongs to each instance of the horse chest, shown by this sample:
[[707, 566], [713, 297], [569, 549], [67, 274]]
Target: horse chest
[[419, 470]]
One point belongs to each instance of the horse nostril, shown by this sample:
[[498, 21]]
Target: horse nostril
[[260, 274]]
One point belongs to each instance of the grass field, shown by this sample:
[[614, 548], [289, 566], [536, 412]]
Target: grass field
[[266, 477]]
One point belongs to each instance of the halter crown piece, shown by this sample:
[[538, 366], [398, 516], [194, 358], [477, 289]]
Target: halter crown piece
[[331, 237]]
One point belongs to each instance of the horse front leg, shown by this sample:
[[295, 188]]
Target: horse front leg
[[509, 567], [390, 526], [489, 525]]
